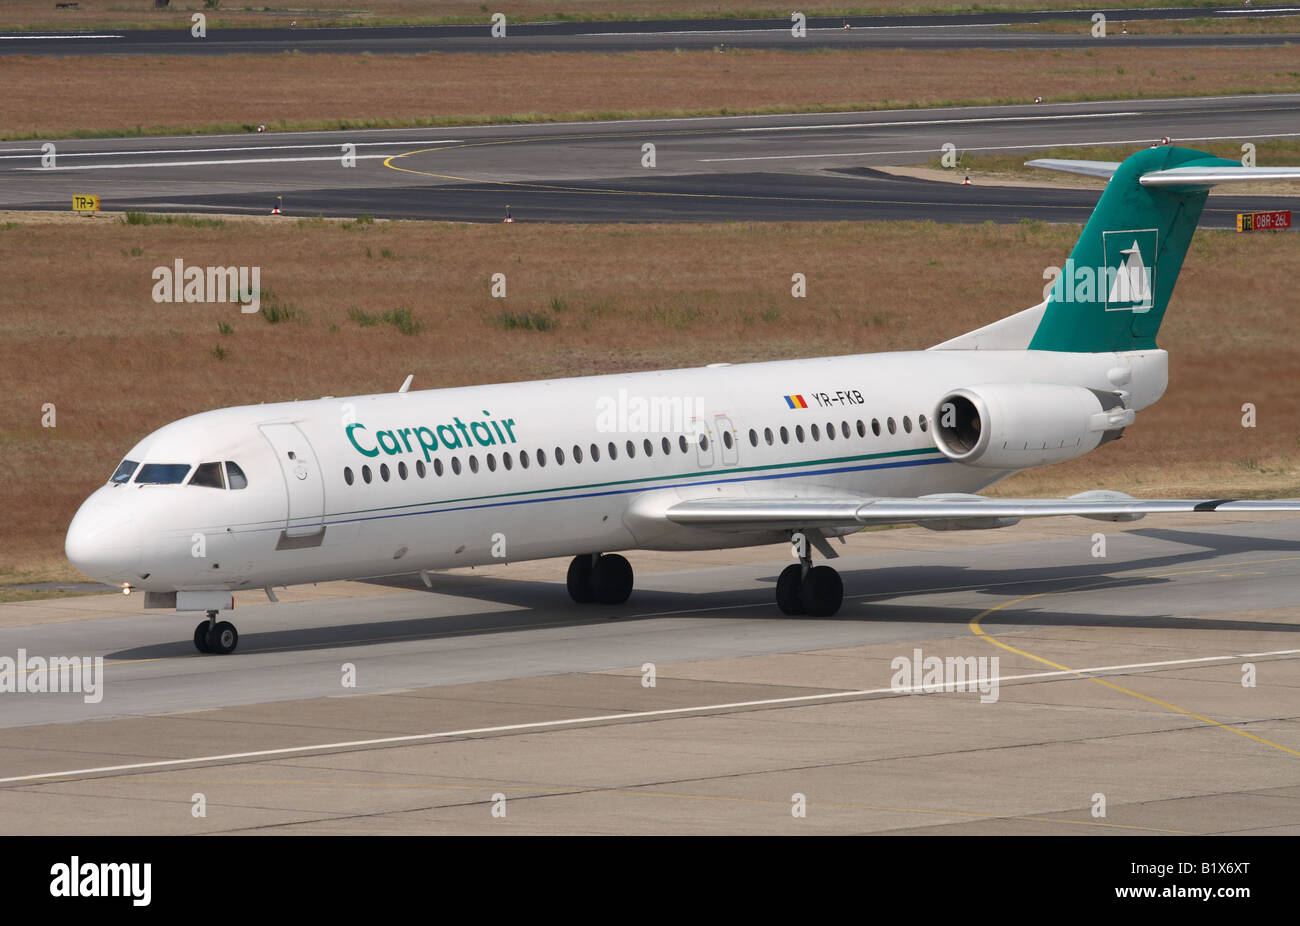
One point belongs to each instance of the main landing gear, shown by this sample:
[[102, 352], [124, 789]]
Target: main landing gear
[[604, 578], [805, 589], [213, 636]]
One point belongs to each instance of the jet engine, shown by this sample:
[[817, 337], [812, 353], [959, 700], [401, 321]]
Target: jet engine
[[1014, 426]]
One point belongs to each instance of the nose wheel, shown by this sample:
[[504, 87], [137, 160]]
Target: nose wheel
[[214, 636]]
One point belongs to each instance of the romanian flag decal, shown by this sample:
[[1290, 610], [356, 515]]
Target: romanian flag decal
[[795, 401]]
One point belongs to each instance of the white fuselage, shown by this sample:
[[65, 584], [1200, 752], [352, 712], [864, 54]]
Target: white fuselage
[[483, 474]]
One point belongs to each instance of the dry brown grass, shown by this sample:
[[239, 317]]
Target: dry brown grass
[[29, 13], [81, 331], [1201, 25], [58, 96]]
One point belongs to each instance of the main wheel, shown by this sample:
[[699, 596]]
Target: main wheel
[[223, 638], [822, 591], [201, 637], [611, 579], [579, 580], [787, 590]]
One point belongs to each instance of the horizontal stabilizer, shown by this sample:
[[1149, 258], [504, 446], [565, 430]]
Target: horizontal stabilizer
[[1102, 169], [1190, 178], [1182, 178]]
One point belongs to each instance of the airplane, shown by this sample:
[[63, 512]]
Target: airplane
[[724, 456]]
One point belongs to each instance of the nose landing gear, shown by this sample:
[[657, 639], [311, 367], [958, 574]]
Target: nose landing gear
[[217, 637]]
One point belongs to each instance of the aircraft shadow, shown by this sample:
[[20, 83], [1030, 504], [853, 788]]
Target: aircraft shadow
[[529, 604]]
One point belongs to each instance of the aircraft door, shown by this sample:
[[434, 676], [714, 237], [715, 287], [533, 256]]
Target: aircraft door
[[303, 481], [728, 442]]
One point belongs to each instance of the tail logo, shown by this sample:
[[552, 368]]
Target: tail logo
[[1130, 269]]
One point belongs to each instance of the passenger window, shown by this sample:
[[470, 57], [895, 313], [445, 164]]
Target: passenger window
[[682, 442], [523, 459], [541, 457], [595, 453], [365, 475], [631, 450], [830, 431], [577, 454], [473, 463], [492, 463], [613, 451], [347, 475], [420, 469], [208, 475], [235, 478], [753, 438], [401, 469], [383, 471], [506, 461], [727, 439], [815, 431], [785, 435], [125, 470], [844, 429], [767, 436], [922, 423], [875, 426], [907, 424], [893, 428], [437, 467], [455, 465], [704, 442], [559, 456], [666, 444], [648, 447], [798, 433]]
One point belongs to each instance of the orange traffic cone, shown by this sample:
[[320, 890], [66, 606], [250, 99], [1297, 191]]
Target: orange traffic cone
[[507, 218], [966, 181], [276, 209]]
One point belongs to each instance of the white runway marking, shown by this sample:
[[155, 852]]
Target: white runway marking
[[776, 30], [911, 122], [330, 157], [127, 152], [32, 38], [605, 718], [1037, 147]]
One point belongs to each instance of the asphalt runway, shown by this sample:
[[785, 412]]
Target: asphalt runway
[[976, 30], [1121, 676], [757, 168]]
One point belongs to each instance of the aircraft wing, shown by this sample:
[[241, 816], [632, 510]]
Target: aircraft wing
[[946, 511]]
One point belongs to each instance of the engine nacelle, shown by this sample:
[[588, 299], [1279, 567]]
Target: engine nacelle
[[1014, 426]]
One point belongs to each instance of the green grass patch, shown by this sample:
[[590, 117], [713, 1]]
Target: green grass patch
[[188, 221], [524, 321], [401, 319], [275, 311]]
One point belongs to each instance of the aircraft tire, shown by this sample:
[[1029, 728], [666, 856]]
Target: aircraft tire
[[611, 579], [822, 592], [223, 638], [579, 580], [788, 586]]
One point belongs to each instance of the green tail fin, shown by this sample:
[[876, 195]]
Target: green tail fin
[[1114, 289]]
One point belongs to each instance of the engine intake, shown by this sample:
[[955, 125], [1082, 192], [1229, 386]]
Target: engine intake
[[1014, 425]]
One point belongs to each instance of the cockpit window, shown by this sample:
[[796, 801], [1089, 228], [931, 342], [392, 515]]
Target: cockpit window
[[235, 477], [124, 471], [209, 475], [162, 473]]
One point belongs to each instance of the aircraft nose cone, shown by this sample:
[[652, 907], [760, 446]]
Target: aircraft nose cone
[[103, 541]]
